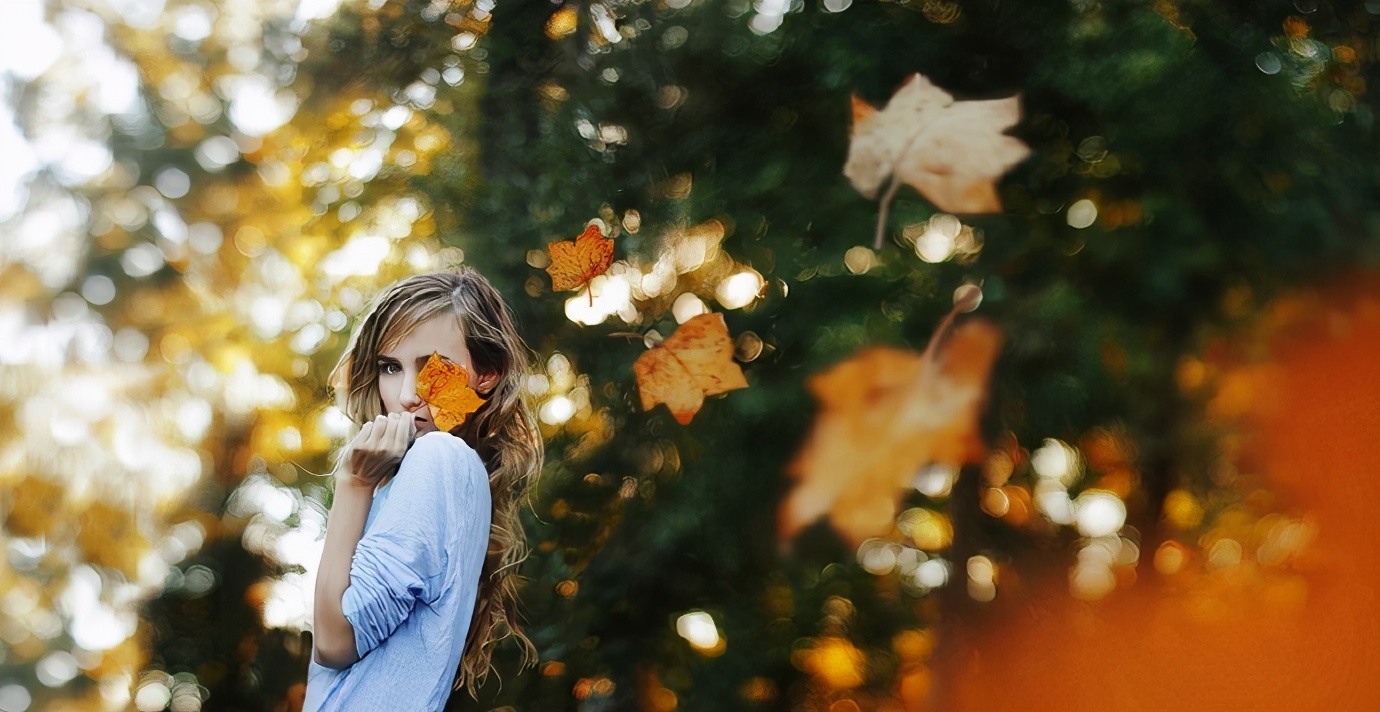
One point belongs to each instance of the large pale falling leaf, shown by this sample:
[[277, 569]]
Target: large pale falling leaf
[[884, 414], [695, 362], [445, 386], [953, 152]]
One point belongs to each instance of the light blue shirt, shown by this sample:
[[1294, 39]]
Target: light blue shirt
[[413, 584]]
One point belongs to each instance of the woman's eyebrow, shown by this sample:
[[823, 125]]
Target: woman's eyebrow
[[421, 360]]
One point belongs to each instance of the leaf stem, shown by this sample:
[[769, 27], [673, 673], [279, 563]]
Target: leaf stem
[[884, 209], [940, 332]]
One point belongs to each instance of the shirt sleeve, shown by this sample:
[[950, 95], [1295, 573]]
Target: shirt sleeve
[[401, 558]]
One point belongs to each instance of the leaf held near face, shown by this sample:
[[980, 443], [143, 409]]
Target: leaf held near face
[[883, 415], [695, 362], [445, 386], [575, 263]]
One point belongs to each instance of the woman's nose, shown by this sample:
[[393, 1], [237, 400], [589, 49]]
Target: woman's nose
[[410, 399]]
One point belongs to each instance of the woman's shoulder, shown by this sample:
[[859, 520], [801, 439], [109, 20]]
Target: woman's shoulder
[[443, 444], [445, 455]]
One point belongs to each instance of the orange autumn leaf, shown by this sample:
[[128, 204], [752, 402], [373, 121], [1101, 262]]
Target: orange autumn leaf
[[575, 263], [953, 152], [695, 362], [883, 415], [445, 386]]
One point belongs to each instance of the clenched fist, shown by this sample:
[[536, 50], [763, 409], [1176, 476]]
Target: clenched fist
[[376, 450]]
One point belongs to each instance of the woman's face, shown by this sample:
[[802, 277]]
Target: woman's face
[[398, 367]]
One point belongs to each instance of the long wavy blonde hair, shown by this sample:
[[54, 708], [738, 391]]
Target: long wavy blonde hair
[[504, 431]]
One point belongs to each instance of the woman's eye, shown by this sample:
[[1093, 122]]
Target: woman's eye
[[388, 367]]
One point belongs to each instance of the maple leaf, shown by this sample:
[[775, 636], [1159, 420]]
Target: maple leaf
[[953, 152], [694, 362], [883, 415], [575, 263], [445, 386]]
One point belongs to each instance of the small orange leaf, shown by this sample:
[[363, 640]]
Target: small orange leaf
[[445, 386], [695, 362], [884, 414], [575, 263]]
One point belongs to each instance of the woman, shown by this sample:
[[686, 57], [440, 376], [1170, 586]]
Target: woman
[[416, 580]]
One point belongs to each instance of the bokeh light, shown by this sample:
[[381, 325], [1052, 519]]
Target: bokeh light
[[1099, 513], [1083, 213], [699, 630]]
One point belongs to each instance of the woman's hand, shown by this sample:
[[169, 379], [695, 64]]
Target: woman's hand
[[376, 450]]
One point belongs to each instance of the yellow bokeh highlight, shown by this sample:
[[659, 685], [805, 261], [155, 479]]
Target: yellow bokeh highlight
[[110, 538], [1171, 558], [929, 530], [835, 662], [1182, 510], [914, 645], [998, 468], [563, 22]]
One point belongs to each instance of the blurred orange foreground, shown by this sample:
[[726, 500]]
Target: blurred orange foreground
[[1310, 643]]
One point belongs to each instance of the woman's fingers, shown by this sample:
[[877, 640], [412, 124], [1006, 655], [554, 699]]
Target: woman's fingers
[[380, 444], [379, 432], [393, 439], [386, 435], [399, 443], [397, 430], [401, 435]]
